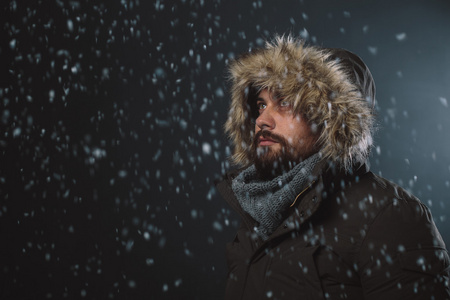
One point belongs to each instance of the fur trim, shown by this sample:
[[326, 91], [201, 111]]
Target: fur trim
[[318, 86]]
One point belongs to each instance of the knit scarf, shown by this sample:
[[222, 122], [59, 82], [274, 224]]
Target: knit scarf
[[267, 201]]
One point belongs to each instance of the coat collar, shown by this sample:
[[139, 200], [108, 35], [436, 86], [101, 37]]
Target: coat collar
[[326, 179]]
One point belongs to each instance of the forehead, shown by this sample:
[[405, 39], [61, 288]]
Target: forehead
[[266, 94]]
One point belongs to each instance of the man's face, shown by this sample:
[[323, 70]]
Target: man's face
[[282, 139]]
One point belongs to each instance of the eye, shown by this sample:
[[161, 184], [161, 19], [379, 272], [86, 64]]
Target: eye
[[260, 105], [284, 103]]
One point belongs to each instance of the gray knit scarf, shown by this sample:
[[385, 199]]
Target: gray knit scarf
[[266, 201]]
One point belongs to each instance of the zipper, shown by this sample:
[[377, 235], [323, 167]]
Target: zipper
[[307, 188]]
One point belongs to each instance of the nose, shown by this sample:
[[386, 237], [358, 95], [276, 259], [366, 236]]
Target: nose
[[265, 120]]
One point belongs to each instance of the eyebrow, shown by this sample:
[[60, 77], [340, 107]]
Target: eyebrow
[[273, 99]]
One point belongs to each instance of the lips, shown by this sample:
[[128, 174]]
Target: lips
[[266, 141]]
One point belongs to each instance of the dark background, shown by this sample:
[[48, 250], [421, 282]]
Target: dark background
[[111, 132]]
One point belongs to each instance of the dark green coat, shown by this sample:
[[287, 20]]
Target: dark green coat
[[346, 237]]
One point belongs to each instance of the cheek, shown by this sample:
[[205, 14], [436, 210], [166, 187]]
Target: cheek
[[298, 128], [299, 131]]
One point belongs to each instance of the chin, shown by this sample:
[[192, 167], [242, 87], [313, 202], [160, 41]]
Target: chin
[[266, 153]]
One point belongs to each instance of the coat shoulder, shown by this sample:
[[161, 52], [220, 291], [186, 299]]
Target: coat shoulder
[[375, 193], [373, 210]]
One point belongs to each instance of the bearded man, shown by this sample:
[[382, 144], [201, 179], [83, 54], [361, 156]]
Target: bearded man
[[316, 223]]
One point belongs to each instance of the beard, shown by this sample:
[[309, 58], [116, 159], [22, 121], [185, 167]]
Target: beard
[[269, 162]]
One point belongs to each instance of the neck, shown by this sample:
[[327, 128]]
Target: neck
[[269, 170]]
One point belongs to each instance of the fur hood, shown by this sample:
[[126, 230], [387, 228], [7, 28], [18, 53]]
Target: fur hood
[[332, 88]]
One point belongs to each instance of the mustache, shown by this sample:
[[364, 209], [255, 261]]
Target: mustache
[[268, 135]]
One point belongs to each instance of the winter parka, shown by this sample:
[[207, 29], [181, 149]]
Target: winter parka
[[348, 236]]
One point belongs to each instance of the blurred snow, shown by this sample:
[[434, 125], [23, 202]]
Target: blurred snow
[[112, 132]]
